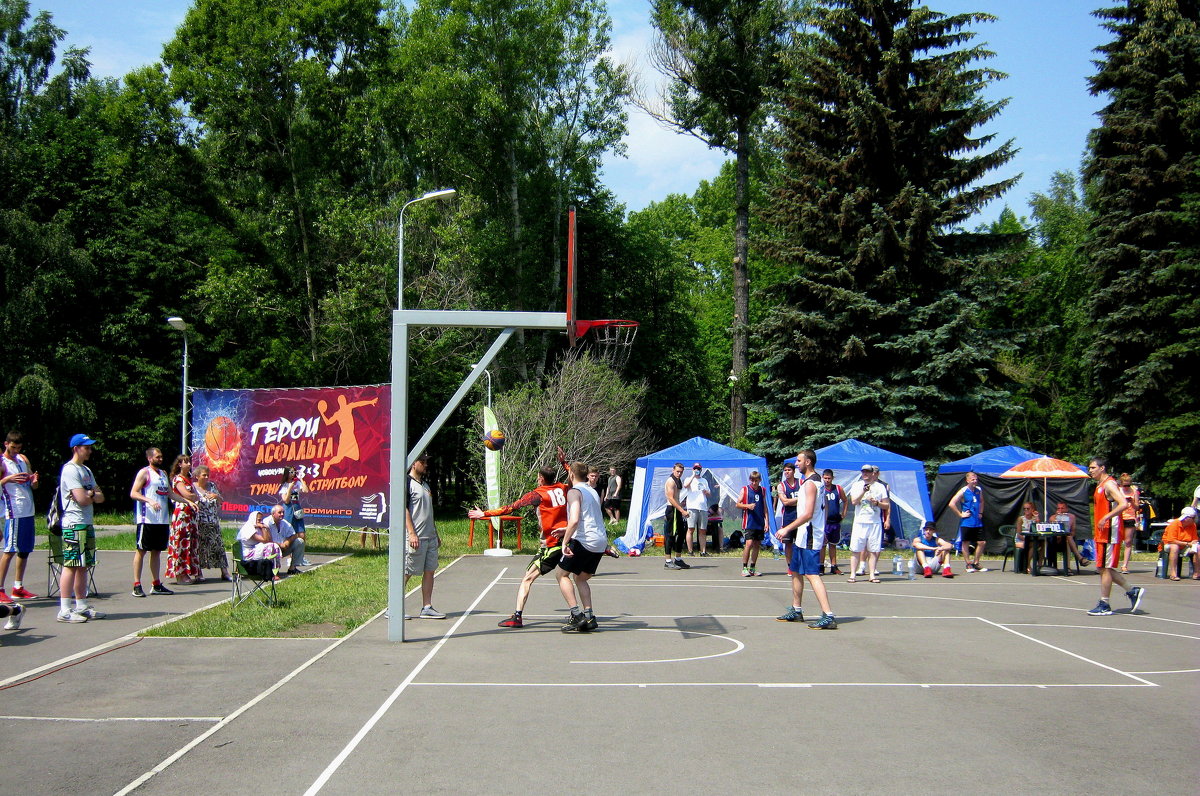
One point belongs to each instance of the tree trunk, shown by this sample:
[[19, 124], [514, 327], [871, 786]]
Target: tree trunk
[[514, 200], [741, 289]]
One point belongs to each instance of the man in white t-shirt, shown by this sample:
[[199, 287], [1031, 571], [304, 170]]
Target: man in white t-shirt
[[696, 492], [78, 492], [1196, 499], [584, 542], [17, 482], [284, 535], [869, 500]]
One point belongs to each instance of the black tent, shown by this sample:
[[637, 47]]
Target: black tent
[[1002, 497]]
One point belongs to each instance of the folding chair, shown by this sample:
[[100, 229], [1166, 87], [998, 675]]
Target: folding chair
[[262, 588], [54, 564], [1009, 534]]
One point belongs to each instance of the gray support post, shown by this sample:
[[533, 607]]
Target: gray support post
[[398, 490]]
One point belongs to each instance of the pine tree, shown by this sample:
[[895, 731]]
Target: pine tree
[[1144, 188], [876, 336]]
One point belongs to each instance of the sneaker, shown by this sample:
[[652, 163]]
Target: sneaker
[[980, 568], [1101, 609], [90, 613], [612, 552], [745, 572], [512, 621], [14, 619], [575, 623], [71, 617], [22, 593], [822, 572], [947, 573], [590, 623], [835, 571], [792, 614], [428, 612], [671, 565], [681, 564], [4, 598], [826, 622], [161, 589], [304, 562], [704, 555], [928, 572], [971, 568], [1135, 598], [137, 591]]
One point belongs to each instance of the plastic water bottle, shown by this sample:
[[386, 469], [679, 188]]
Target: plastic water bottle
[[896, 570], [1158, 569], [912, 568]]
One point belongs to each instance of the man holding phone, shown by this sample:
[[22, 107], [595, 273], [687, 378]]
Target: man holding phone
[[17, 481]]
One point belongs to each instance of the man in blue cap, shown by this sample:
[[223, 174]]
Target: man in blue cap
[[78, 492]]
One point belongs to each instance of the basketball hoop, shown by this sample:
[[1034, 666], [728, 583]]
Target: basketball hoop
[[612, 339]]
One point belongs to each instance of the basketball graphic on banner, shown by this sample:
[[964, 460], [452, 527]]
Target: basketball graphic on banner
[[222, 444]]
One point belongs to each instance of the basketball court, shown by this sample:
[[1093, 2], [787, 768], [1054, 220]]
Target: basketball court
[[1002, 681]]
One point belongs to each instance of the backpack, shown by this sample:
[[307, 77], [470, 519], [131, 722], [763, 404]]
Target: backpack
[[54, 513]]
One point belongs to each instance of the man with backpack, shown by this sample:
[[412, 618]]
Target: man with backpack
[[77, 492]]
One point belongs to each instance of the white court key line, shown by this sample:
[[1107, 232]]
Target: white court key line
[[111, 718], [387, 704], [1067, 652], [737, 647], [199, 739]]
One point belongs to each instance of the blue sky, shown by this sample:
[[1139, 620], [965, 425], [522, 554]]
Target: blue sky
[[1045, 46]]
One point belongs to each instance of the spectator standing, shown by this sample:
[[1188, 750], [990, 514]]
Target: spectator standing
[[182, 562], [612, 496], [290, 489], [208, 523], [753, 503], [421, 554], [834, 498], [968, 504], [1107, 504], [1131, 518], [697, 490], [151, 493], [675, 518], [18, 479], [932, 551], [78, 493], [866, 536]]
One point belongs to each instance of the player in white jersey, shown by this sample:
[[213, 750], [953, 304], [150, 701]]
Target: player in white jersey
[[584, 542], [151, 493], [809, 542], [17, 482]]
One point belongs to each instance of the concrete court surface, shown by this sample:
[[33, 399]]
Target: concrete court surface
[[689, 686]]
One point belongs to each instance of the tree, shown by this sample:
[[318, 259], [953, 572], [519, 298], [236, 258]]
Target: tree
[[722, 58], [878, 334], [1143, 180]]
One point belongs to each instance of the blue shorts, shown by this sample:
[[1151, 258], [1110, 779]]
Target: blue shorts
[[804, 561], [18, 536]]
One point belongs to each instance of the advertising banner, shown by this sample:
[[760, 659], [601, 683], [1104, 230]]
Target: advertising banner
[[338, 439]]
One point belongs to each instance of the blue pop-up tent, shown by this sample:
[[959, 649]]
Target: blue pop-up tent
[[904, 476], [727, 469]]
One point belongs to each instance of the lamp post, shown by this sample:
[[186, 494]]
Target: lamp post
[[487, 373], [180, 325], [400, 240]]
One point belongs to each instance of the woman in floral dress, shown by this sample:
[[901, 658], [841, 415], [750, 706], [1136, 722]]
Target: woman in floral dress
[[208, 520], [183, 564]]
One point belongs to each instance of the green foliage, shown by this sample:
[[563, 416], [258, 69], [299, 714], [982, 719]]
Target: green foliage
[[878, 334], [1143, 177]]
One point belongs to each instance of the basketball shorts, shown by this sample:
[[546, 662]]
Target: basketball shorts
[[1108, 555], [753, 534], [833, 533], [423, 558], [18, 536], [152, 536], [804, 561], [546, 559], [79, 546], [1107, 532], [972, 534], [581, 559]]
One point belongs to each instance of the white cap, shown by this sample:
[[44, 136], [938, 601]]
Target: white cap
[[1187, 513]]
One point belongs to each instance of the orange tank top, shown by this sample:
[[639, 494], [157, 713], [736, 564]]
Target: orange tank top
[[1101, 505]]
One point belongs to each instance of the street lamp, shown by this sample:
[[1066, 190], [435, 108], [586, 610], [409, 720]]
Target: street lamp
[[400, 240], [180, 325], [487, 373]]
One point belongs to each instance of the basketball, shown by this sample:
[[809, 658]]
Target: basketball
[[222, 444], [493, 440]]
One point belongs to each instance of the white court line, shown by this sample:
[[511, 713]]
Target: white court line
[[1142, 684], [111, 718], [260, 697], [1101, 627], [387, 704], [1066, 652], [1170, 671], [737, 646]]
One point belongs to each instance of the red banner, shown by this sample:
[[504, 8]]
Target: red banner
[[337, 437]]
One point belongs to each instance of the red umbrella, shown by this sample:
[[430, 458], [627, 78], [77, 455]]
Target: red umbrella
[[1045, 468]]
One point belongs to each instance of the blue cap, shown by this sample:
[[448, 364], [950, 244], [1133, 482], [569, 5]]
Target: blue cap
[[81, 439]]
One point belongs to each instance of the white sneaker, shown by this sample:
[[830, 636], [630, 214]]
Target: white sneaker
[[304, 562], [14, 619], [428, 612], [71, 617], [90, 613]]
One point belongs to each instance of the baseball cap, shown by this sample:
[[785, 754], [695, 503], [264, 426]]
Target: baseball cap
[[81, 439], [867, 468], [697, 465], [1187, 513]]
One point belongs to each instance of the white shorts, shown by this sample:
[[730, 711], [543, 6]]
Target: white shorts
[[867, 537]]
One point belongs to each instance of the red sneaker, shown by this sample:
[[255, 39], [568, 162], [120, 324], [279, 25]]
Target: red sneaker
[[22, 593], [512, 621], [946, 573], [4, 598], [928, 572]]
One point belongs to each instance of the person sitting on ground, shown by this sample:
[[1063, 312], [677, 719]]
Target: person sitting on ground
[[1179, 538], [255, 539], [932, 551], [1025, 523], [284, 535]]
